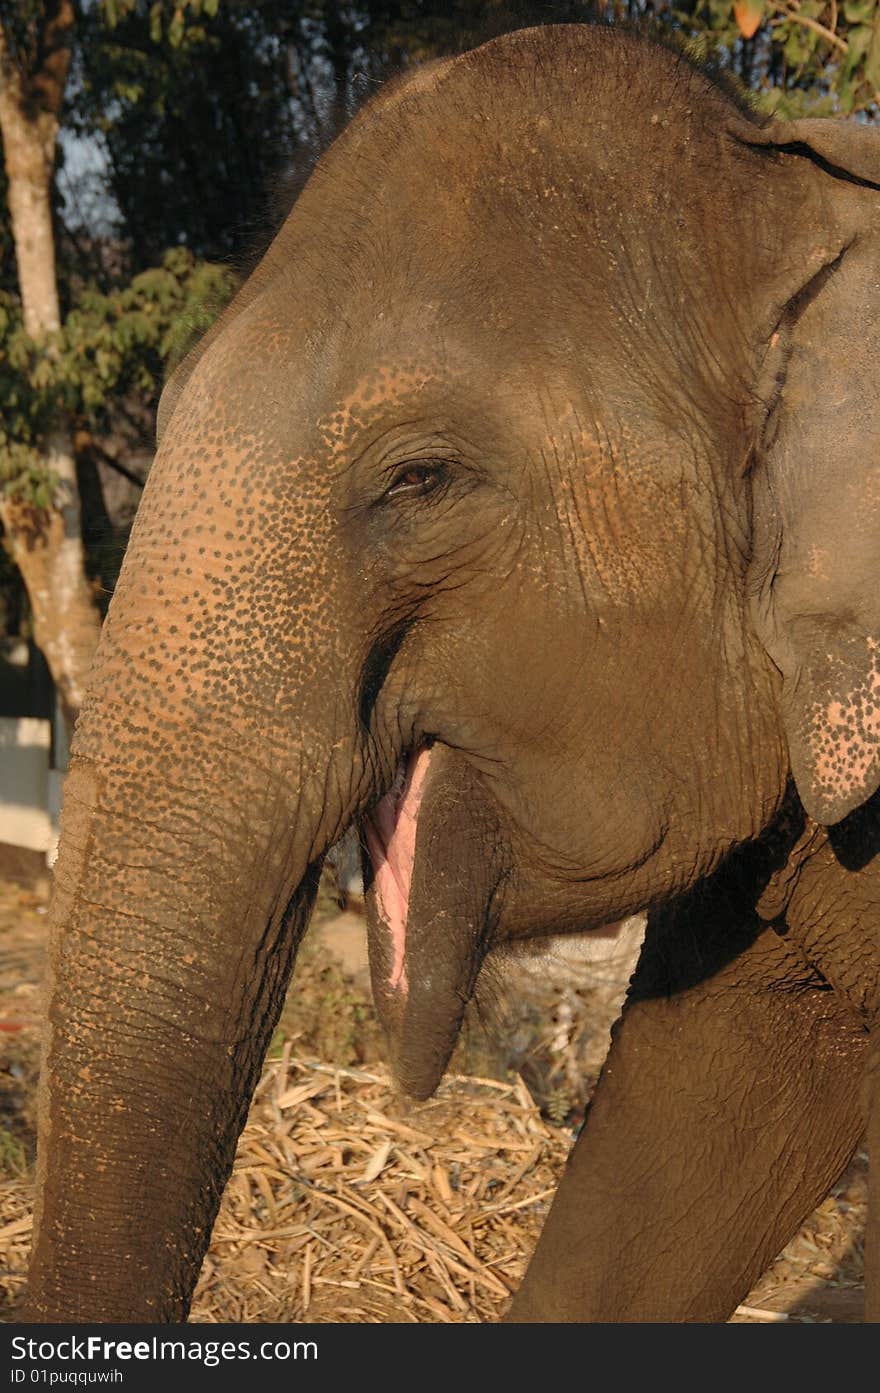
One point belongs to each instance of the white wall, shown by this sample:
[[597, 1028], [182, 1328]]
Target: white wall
[[27, 786]]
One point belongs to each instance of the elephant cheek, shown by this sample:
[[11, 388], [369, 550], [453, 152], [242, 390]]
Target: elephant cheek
[[431, 908]]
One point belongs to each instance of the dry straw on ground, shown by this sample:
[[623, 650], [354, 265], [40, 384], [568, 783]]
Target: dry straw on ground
[[346, 1206]]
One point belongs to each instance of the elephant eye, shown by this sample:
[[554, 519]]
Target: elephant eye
[[417, 478]]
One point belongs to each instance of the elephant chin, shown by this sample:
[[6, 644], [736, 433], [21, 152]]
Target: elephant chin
[[430, 907]]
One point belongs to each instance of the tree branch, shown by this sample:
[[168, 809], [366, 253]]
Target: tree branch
[[9, 76], [789, 12], [56, 42], [112, 463]]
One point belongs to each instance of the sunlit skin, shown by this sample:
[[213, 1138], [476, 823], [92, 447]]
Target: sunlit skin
[[496, 519]]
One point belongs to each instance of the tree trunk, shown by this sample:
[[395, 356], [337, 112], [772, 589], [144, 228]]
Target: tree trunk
[[46, 545]]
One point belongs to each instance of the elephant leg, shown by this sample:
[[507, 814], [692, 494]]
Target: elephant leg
[[727, 1107]]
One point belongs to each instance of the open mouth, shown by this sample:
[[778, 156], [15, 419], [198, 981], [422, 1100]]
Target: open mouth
[[390, 831]]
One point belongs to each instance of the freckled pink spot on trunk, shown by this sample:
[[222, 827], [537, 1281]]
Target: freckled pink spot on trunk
[[391, 841]]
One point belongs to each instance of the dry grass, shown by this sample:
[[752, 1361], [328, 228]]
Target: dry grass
[[347, 1206]]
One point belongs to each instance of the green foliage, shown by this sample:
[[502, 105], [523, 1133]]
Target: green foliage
[[13, 1155], [201, 124], [798, 56], [168, 18], [112, 344], [195, 111]]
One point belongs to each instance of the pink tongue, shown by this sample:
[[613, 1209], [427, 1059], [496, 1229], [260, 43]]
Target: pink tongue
[[391, 841]]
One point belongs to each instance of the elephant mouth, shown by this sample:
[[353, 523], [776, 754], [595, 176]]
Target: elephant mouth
[[390, 833]]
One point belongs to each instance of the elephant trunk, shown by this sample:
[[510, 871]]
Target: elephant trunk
[[210, 774], [166, 980], [201, 798]]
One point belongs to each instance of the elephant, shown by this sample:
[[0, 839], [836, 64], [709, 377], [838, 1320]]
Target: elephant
[[523, 511]]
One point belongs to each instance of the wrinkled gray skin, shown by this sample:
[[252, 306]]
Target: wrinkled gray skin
[[545, 438]]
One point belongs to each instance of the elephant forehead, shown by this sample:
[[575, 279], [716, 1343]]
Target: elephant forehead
[[252, 384], [285, 380], [379, 390]]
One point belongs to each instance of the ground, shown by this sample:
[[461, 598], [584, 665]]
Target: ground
[[349, 1205]]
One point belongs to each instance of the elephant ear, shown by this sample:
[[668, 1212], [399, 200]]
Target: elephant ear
[[816, 476]]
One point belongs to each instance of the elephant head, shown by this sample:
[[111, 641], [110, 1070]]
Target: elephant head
[[522, 509]]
